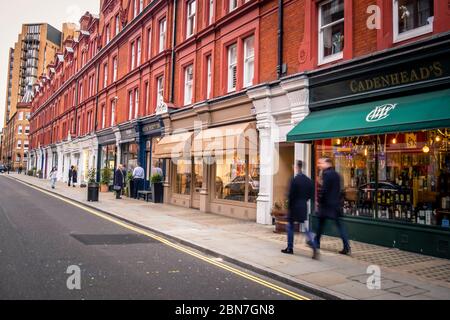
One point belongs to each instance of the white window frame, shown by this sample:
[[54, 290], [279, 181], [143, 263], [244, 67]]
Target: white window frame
[[162, 35], [105, 75], [108, 34], [209, 77], [103, 116], [136, 103], [113, 113], [26, 144], [232, 5], [133, 55], [336, 56], [138, 51], [27, 129], [231, 65], [191, 10], [130, 104], [159, 89], [149, 43], [247, 60], [117, 24], [115, 65], [20, 116], [141, 6], [188, 84], [136, 8], [211, 12], [19, 144], [20, 130], [411, 33]]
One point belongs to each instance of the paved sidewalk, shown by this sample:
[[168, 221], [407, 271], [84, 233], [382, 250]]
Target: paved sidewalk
[[404, 275]]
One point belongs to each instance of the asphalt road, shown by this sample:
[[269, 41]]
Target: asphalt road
[[41, 237]]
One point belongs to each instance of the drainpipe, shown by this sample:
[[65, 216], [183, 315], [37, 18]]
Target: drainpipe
[[280, 39], [174, 36]]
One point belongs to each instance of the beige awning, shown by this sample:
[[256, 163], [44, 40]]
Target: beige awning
[[174, 146], [241, 138]]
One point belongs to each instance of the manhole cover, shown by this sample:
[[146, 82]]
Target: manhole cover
[[111, 239]]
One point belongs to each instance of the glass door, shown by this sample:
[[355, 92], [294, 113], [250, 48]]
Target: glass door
[[197, 181]]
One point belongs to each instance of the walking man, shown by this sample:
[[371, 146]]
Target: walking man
[[330, 203], [119, 178], [53, 177], [138, 180], [300, 192]]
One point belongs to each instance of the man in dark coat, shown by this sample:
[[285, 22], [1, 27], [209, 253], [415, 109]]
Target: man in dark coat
[[70, 175], [330, 206], [119, 180], [74, 176], [300, 192]]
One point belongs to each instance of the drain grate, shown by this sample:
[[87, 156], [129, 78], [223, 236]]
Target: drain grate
[[111, 239]]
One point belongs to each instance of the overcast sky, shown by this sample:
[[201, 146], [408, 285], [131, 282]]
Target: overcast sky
[[13, 13]]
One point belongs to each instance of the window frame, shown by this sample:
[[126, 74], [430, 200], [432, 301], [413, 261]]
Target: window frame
[[162, 35], [230, 65], [191, 18], [188, 85], [334, 57], [416, 32], [248, 82]]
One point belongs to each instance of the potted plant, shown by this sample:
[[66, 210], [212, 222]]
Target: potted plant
[[280, 214], [105, 180], [157, 188], [93, 188], [39, 174]]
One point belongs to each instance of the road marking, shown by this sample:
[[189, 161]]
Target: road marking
[[190, 252]]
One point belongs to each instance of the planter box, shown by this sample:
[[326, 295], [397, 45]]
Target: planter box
[[429, 240], [158, 192], [104, 188], [281, 221]]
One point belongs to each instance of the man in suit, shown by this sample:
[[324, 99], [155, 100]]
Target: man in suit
[[119, 180], [330, 206], [300, 192]]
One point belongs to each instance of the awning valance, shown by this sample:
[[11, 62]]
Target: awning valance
[[174, 146], [403, 114], [241, 138]]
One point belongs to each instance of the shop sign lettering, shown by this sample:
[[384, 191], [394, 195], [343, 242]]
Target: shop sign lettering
[[434, 70], [380, 112]]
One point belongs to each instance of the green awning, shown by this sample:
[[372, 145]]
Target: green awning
[[416, 112]]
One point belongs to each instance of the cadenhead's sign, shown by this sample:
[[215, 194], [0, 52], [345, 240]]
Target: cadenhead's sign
[[399, 73]]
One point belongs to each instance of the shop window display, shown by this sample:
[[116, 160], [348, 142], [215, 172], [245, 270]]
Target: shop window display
[[183, 173], [401, 176], [237, 178]]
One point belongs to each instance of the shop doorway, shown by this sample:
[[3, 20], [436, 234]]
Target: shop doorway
[[197, 181]]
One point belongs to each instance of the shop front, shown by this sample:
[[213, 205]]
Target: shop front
[[107, 150], [211, 157], [151, 130], [129, 145], [389, 139]]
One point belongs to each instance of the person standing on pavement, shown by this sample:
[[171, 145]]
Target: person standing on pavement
[[329, 198], [70, 175], [300, 192], [74, 176], [53, 177], [119, 178], [138, 179]]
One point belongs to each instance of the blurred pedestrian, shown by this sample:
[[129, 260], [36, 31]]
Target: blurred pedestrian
[[70, 175], [74, 176], [300, 192], [330, 203], [138, 180], [119, 180], [53, 177]]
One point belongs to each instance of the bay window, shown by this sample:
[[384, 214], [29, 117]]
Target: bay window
[[412, 18], [331, 30], [188, 84]]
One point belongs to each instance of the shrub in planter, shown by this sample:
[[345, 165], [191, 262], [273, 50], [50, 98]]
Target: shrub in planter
[[105, 179], [129, 184], [93, 188], [280, 214], [157, 188], [39, 174]]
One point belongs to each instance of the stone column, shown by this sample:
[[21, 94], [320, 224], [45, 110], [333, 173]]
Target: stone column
[[204, 192]]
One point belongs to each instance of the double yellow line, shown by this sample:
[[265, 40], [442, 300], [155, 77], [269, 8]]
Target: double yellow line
[[211, 261]]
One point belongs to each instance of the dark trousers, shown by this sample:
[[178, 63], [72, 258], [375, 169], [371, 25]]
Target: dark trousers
[[138, 186], [118, 193], [290, 235], [340, 227]]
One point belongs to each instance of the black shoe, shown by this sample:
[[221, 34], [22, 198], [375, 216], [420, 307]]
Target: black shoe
[[315, 255], [346, 251], [287, 251]]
